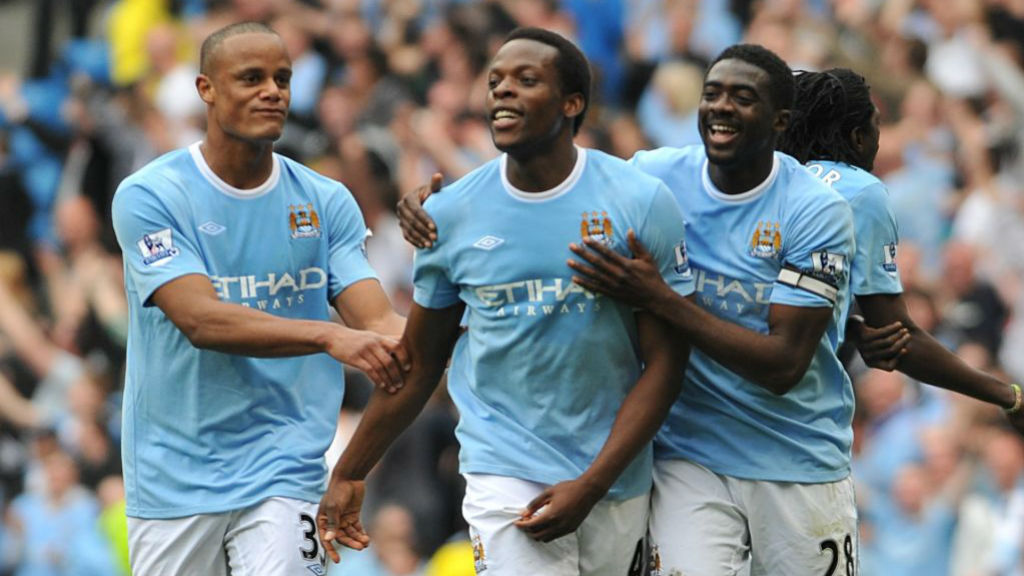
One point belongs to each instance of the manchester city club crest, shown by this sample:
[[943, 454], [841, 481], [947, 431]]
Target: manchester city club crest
[[766, 241], [303, 221], [654, 561], [598, 226], [479, 556]]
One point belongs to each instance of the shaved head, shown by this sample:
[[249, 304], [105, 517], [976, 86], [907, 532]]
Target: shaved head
[[208, 52]]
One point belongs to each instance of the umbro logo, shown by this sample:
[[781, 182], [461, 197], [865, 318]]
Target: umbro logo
[[488, 243], [211, 228]]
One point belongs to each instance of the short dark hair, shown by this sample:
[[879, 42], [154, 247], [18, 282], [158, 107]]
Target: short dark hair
[[829, 105], [572, 66], [214, 40], [781, 85]]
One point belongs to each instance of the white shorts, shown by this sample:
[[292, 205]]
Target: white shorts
[[277, 537], [608, 542], [704, 523]]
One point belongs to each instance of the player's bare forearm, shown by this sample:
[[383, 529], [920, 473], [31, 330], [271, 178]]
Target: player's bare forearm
[[665, 354], [927, 360], [776, 360], [365, 306], [560, 509], [191, 303], [386, 416], [429, 338], [390, 324]]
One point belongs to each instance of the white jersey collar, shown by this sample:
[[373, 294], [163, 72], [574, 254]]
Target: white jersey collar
[[216, 182], [562, 188], [747, 196]]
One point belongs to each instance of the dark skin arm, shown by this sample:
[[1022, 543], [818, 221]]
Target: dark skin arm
[[879, 347], [928, 361], [191, 303], [417, 226], [567, 504], [775, 361], [429, 338]]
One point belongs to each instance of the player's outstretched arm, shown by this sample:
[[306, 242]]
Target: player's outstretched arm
[[561, 509], [191, 303], [429, 337], [776, 360], [930, 362], [417, 226]]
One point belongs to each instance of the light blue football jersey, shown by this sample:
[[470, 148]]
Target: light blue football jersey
[[739, 244], [874, 265], [545, 365], [205, 431]]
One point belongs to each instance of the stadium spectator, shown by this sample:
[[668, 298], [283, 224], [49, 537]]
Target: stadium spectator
[[989, 535], [56, 529]]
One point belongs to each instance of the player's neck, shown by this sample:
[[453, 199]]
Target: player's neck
[[737, 178], [539, 172], [242, 164]]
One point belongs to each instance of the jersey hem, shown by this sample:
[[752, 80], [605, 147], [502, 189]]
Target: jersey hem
[[795, 477], [181, 512], [616, 493]]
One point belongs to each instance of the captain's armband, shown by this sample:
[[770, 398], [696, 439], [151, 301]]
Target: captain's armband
[[808, 282]]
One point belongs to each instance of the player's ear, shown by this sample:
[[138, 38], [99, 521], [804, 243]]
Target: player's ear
[[857, 138], [205, 88], [573, 105], [781, 122]]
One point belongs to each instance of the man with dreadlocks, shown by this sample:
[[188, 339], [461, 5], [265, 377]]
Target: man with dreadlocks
[[834, 131]]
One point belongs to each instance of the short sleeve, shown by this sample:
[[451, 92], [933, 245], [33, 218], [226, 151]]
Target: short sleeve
[[817, 254], [155, 247], [653, 162], [346, 243], [874, 265], [664, 235], [432, 287], [431, 271]]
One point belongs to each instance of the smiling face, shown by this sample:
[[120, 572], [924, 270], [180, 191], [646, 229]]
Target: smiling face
[[525, 103], [737, 120], [247, 90]]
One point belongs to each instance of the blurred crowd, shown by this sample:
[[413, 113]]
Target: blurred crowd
[[386, 92]]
